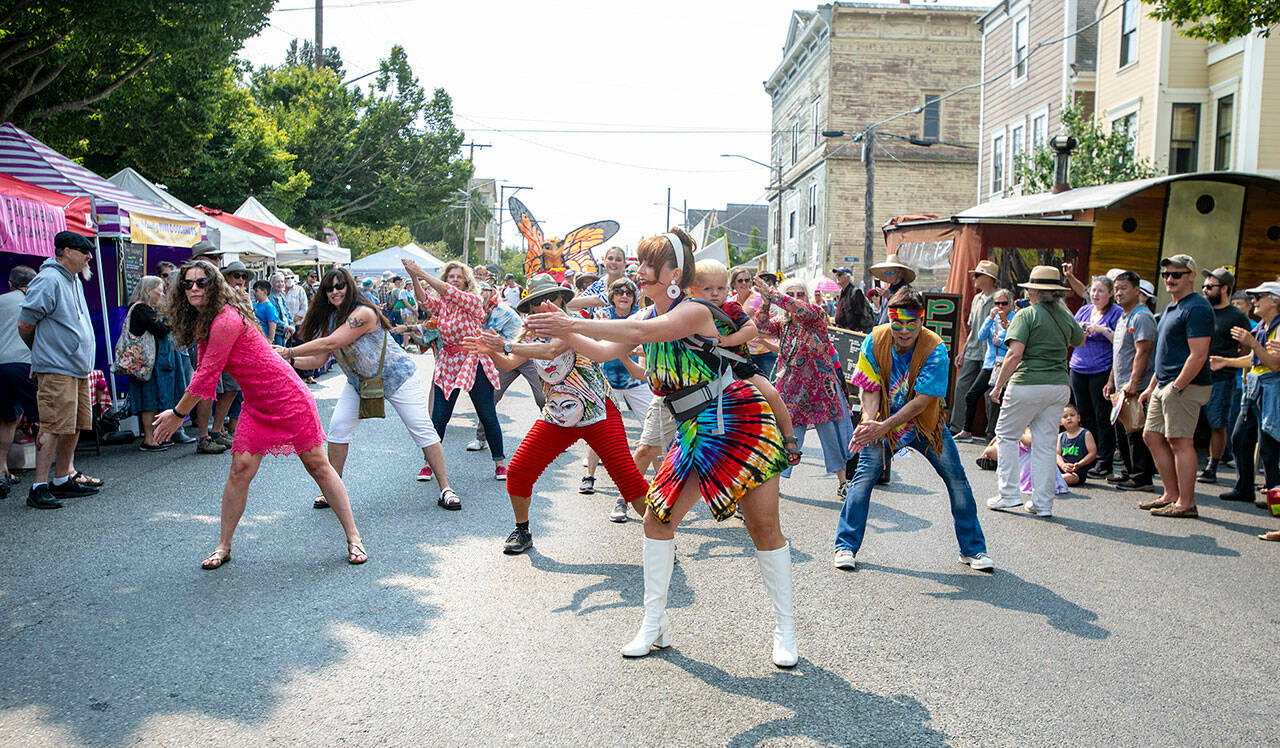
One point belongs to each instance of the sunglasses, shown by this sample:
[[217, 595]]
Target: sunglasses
[[909, 325], [1173, 274], [741, 281], [1209, 286], [238, 276], [624, 293], [1002, 303], [890, 272], [187, 283], [337, 286]]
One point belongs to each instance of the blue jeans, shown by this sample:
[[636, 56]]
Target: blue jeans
[[857, 499], [835, 437], [767, 362]]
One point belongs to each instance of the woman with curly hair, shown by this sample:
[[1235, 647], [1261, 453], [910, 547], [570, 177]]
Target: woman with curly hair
[[279, 415]]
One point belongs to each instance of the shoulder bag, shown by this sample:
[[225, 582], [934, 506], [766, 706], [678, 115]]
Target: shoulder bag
[[135, 354], [372, 402]]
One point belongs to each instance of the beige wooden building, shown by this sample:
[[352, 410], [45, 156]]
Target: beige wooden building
[[845, 66], [1190, 105]]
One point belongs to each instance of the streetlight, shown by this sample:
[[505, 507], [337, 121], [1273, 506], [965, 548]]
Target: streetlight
[[778, 222], [502, 203]]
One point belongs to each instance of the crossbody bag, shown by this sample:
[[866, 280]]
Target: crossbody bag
[[372, 396]]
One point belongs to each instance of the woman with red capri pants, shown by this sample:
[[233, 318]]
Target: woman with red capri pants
[[578, 407]]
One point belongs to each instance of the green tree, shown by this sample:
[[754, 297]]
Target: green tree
[[1218, 20], [513, 262], [447, 225], [1100, 158], [123, 81]]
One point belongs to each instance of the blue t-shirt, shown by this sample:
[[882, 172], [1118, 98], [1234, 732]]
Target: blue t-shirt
[[266, 313], [931, 381], [1190, 318]]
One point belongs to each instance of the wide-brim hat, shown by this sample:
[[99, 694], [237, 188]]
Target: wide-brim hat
[[235, 266], [892, 263], [987, 268], [1045, 278], [542, 287]]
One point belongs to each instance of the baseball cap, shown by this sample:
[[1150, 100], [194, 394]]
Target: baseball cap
[[1271, 287], [367, 282], [1222, 275], [72, 240], [1239, 295], [843, 271], [1180, 261], [1147, 288], [509, 277]]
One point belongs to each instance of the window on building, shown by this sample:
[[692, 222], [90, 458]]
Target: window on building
[[795, 142], [1017, 147], [815, 117], [1128, 125], [1129, 32], [1039, 128], [1184, 139], [791, 225], [1222, 136], [997, 164], [1020, 28], [813, 203], [932, 118]]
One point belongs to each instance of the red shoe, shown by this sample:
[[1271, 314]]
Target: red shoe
[[500, 472], [425, 473]]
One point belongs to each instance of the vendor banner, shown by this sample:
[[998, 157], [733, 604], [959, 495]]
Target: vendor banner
[[145, 229], [27, 227]]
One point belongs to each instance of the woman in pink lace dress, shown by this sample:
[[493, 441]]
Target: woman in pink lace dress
[[279, 415]]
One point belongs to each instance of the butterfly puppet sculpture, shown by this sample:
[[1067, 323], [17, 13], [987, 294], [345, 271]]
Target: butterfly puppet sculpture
[[555, 256]]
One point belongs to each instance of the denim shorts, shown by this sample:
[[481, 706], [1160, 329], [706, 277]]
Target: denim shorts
[[1218, 410]]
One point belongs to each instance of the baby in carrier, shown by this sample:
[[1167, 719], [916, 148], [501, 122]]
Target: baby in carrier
[[710, 284]]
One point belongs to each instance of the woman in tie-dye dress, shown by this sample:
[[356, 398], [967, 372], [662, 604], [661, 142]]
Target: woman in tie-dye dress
[[729, 454]]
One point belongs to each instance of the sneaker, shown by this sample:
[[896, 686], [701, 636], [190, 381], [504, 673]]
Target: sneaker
[[1030, 508], [845, 559], [144, 447], [519, 541], [588, 485], [425, 473], [71, 489], [42, 498], [842, 489], [619, 513], [207, 446], [1136, 483], [1119, 477], [1208, 475], [1099, 471], [978, 562], [500, 472], [475, 445], [1000, 502], [222, 438]]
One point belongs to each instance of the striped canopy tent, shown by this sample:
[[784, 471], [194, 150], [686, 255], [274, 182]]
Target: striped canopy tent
[[31, 216], [120, 214]]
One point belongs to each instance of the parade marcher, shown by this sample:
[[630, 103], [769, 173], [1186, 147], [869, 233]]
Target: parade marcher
[[1179, 390], [973, 351], [1131, 370], [1259, 422], [728, 452], [896, 276], [54, 322], [342, 322], [578, 407], [17, 387], [1217, 288], [163, 389], [280, 416], [459, 314], [903, 372], [504, 320], [1040, 338]]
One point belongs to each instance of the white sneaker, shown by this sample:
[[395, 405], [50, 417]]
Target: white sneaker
[[1000, 502], [619, 513], [978, 562], [475, 445], [1030, 508], [845, 560]]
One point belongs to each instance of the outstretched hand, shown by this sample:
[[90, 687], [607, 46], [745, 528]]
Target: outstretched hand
[[486, 342], [411, 266], [549, 322]]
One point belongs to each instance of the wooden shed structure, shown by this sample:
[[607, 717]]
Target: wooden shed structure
[[1222, 218]]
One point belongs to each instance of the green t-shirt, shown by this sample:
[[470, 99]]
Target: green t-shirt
[[1049, 333]]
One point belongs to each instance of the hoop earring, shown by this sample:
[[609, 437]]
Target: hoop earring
[[673, 290]]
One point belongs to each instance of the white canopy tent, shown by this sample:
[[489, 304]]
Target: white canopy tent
[[298, 248], [376, 264], [716, 250], [228, 239]]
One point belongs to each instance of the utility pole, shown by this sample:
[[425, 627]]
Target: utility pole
[[685, 213], [869, 217], [667, 225], [319, 51], [778, 228], [471, 156]]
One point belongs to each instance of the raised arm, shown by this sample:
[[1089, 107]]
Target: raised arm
[[680, 322], [802, 312]]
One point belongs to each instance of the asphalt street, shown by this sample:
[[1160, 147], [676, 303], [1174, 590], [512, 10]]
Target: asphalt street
[[1103, 625]]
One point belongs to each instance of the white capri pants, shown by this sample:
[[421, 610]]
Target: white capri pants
[[638, 399], [410, 401]]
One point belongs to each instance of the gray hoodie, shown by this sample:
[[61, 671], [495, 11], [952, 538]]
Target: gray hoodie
[[55, 304]]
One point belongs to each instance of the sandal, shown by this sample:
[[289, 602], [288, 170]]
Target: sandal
[[355, 553], [86, 480], [219, 557], [793, 452], [986, 463], [320, 503], [1273, 536], [449, 500]]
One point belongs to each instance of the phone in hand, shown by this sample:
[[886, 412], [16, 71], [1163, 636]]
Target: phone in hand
[[1023, 303]]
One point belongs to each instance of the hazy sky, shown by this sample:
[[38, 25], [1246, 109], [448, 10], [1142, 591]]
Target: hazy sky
[[599, 106]]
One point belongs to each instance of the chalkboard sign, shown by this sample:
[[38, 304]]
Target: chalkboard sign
[[133, 265], [848, 345]]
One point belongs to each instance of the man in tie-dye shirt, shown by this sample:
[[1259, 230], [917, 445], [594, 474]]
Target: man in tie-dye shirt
[[902, 371]]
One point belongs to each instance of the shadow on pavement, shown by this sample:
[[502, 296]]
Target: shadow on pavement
[[827, 709], [1202, 544], [1007, 590], [627, 580]]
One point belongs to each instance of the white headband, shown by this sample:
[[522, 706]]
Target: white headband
[[678, 246]]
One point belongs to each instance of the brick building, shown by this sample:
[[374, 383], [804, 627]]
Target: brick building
[[845, 66]]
